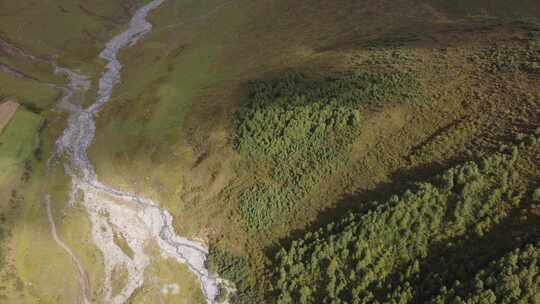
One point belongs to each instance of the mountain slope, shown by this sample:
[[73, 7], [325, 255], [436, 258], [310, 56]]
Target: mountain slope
[[278, 132]]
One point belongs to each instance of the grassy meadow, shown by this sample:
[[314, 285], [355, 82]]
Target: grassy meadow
[[34, 269], [71, 31], [38, 95], [24, 225]]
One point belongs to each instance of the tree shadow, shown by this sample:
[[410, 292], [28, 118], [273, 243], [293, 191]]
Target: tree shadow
[[445, 265], [363, 201], [416, 35], [460, 262]]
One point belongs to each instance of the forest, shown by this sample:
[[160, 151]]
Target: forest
[[445, 240], [379, 256], [301, 129]]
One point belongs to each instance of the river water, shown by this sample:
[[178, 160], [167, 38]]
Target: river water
[[141, 222]]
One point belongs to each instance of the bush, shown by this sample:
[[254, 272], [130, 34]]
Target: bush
[[229, 267], [236, 270], [536, 195], [511, 59]]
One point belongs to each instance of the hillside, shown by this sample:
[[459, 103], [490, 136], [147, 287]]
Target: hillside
[[324, 151]]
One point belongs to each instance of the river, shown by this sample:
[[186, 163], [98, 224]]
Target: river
[[112, 212]]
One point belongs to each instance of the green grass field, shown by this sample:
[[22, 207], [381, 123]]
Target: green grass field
[[72, 33], [17, 143], [24, 224], [26, 238]]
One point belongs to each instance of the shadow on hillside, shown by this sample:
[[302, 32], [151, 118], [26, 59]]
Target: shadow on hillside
[[436, 35], [468, 255], [362, 201]]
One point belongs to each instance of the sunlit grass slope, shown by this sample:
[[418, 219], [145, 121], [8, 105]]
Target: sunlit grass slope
[[34, 268], [173, 111], [26, 241], [17, 143]]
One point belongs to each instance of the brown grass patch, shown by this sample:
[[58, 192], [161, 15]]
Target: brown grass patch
[[7, 110]]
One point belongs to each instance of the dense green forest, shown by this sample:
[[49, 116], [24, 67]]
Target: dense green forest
[[377, 257], [442, 241], [301, 130], [512, 279]]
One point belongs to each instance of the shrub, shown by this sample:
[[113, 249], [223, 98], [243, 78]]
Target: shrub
[[230, 267], [236, 270], [536, 195]]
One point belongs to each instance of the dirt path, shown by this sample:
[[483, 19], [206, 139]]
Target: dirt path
[[82, 276], [7, 110]]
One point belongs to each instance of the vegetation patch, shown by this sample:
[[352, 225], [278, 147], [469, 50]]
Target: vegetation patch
[[510, 59], [301, 130], [168, 282], [234, 269], [536, 195], [512, 279], [18, 141], [377, 257], [119, 278]]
